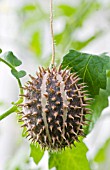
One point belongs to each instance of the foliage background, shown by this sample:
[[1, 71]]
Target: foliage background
[[25, 31]]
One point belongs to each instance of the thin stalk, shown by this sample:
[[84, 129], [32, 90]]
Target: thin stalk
[[10, 110], [52, 33]]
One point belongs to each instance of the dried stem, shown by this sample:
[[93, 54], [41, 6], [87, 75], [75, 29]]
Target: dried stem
[[52, 34]]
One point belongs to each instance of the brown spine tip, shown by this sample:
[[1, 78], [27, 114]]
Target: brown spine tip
[[80, 96], [72, 107], [20, 120], [58, 93], [24, 125], [77, 116], [20, 113], [48, 81], [88, 99], [33, 127], [46, 95], [65, 106], [55, 114], [46, 110], [24, 95], [34, 114], [43, 70], [51, 128], [27, 135], [69, 98], [63, 73], [73, 75], [26, 115], [39, 121], [84, 92], [84, 105], [59, 69], [51, 90], [65, 124], [73, 132], [39, 106], [70, 125], [88, 120], [68, 91], [58, 84], [53, 99], [49, 119], [71, 117], [32, 78], [75, 91], [63, 137], [57, 122], [38, 75], [77, 107], [38, 90], [40, 69], [48, 70], [53, 107], [21, 105], [53, 139], [57, 103]]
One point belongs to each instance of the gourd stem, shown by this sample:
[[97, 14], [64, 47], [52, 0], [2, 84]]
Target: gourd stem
[[52, 33]]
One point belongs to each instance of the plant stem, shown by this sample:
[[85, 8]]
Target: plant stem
[[52, 34], [14, 107], [10, 110]]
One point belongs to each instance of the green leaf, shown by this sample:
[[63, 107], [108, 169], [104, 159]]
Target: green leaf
[[58, 38], [78, 45], [67, 10], [35, 43], [0, 50], [91, 68], [100, 102], [36, 153], [102, 153], [18, 74], [12, 59], [108, 73], [29, 7], [70, 159]]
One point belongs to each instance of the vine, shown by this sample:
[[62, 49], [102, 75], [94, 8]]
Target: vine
[[12, 61]]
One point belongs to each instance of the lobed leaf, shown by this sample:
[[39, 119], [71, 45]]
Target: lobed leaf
[[74, 158], [18, 74], [12, 59], [100, 102], [91, 68], [36, 153]]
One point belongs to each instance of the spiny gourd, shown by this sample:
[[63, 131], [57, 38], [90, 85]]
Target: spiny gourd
[[54, 108]]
